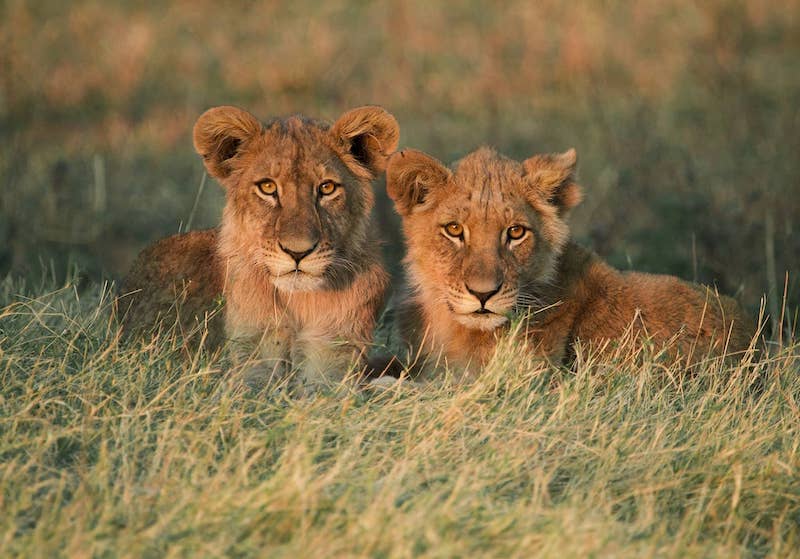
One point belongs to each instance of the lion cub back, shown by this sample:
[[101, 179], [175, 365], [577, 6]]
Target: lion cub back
[[175, 282], [692, 319]]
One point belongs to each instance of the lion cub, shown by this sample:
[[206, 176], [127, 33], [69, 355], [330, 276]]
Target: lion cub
[[488, 241], [295, 257]]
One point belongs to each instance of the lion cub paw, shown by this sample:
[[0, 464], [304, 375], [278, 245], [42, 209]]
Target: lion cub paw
[[387, 382]]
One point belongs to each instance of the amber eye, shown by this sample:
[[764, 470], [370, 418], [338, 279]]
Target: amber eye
[[454, 229], [267, 187], [327, 188], [516, 232]]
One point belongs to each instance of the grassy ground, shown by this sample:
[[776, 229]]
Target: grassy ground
[[113, 451]]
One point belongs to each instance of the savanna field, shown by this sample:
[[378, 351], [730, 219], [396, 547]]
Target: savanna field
[[686, 119]]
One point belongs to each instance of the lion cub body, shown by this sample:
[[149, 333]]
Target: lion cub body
[[176, 282], [488, 242], [294, 257]]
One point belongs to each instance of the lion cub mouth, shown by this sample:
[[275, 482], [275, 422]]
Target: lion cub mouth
[[482, 319], [298, 280]]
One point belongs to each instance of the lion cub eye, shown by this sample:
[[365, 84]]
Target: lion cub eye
[[266, 187], [454, 229], [516, 232], [327, 188]]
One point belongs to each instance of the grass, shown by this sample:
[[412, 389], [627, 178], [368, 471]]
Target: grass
[[113, 451]]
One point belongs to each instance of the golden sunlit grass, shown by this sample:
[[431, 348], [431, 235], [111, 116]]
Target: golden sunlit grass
[[129, 451]]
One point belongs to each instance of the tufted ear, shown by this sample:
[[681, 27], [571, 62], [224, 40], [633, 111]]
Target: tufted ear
[[218, 135], [369, 134], [552, 179], [411, 177]]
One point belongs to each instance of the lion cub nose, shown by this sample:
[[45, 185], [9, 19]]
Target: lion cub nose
[[297, 255], [484, 295]]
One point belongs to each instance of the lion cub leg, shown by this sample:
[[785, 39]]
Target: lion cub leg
[[322, 360], [261, 355]]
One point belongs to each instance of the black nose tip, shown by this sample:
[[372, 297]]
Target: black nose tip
[[297, 256], [484, 296]]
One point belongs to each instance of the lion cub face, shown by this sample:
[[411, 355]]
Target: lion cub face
[[483, 237], [298, 192]]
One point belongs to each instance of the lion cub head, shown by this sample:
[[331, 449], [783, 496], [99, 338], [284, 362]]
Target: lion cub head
[[298, 192], [483, 238]]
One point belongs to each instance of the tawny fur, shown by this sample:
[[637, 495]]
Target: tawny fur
[[564, 292], [176, 282], [299, 270]]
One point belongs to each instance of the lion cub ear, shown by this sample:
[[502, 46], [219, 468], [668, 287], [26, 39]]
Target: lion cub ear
[[411, 176], [369, 134], [218, 135], [552, 179]]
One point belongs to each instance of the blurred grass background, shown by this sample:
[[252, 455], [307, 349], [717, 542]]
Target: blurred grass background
[[686, 116]]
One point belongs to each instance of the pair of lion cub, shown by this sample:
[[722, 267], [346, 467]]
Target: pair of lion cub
[[297, 255]]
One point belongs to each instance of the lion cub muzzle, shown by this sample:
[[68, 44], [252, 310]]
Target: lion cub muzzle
[[298, 227], [483, 297], [298, 239], [483, 280], [297, 256], [479, 304], [301, 260]]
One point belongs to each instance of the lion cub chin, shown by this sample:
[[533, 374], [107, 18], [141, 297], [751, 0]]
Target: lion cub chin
[[295, 258], [488, 241]]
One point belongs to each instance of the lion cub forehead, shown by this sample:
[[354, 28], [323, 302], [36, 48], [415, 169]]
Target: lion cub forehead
[[489, 181], [488, 175], [297, 146], [296, 138]]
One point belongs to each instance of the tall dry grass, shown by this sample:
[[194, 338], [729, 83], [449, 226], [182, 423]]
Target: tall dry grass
[[131, 451]]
